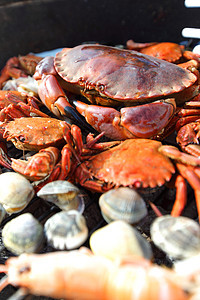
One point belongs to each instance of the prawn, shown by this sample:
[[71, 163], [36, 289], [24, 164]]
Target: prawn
[[81, 275]]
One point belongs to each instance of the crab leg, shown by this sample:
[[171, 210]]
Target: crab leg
[[4, 159], [188, 172], [37, 166], [181, 196], [21, 110]]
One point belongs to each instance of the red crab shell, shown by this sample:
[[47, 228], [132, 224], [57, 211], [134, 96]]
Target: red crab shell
[[134, 162], [121, 77], [34, 133]]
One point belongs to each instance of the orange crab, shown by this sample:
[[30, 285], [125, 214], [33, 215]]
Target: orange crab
[[133, 95], [33, 134], [168, 51]]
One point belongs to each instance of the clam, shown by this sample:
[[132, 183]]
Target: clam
[[64, 194], [178, 237], [15, 192], [66, 230], [119, 238], [122, 203], [23, 234], [2, 213]]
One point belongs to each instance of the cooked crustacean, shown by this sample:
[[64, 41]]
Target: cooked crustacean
[[38, 166], [23, 234], [66, 230], [34, 133], [15, 192], [64, 194], [81, 275], [168, 51], [14, 104], [122, 203], [109, 76], [118, 239], [179, 236], [20, 66], [45, 133]]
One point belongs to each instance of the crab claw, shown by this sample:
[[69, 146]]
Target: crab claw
[[55, 99], [144, 121], [188, 138], [39, 165]]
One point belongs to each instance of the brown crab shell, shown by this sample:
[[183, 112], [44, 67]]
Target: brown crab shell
[[34, 133], [119, 75]]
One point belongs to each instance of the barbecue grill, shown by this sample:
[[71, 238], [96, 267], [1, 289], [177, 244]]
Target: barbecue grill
[[36, 26]]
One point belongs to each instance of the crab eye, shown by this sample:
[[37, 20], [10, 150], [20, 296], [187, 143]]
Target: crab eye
[[24, 269], [22, 138]]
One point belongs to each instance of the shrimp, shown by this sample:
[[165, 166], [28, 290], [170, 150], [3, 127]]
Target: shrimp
[[81, 275]]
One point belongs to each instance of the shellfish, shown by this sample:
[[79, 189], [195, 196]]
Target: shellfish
[[64, 194], [15, 192], [66, 230], [119, 238], [179, 237], [23, 234], [122, 203]]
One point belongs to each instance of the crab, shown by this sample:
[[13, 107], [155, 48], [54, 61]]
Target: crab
[[21, 66], [14, 104], [34, 134], [45, 136], [130, 94], [168, 51], [122, 164]]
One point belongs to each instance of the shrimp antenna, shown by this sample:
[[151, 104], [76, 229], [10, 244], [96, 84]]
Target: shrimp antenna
[[19, 294]]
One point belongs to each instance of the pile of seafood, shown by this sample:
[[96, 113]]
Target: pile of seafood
[[114, 126]]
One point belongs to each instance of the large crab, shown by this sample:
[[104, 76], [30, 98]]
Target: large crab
[[143, 90]]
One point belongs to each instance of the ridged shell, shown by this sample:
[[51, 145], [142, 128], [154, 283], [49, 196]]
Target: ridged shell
[[179, 237], [15, 192], [23, 234], [2, 213], [122, 203], [66, 230], [119, 74], [64, 194], [119, 238]]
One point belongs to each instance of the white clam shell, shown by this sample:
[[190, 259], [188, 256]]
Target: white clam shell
[[15, 192], [118, 239], [66, 230], [23, 234], [122, 203], [179, 237], [2, 213], [64, 194]]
